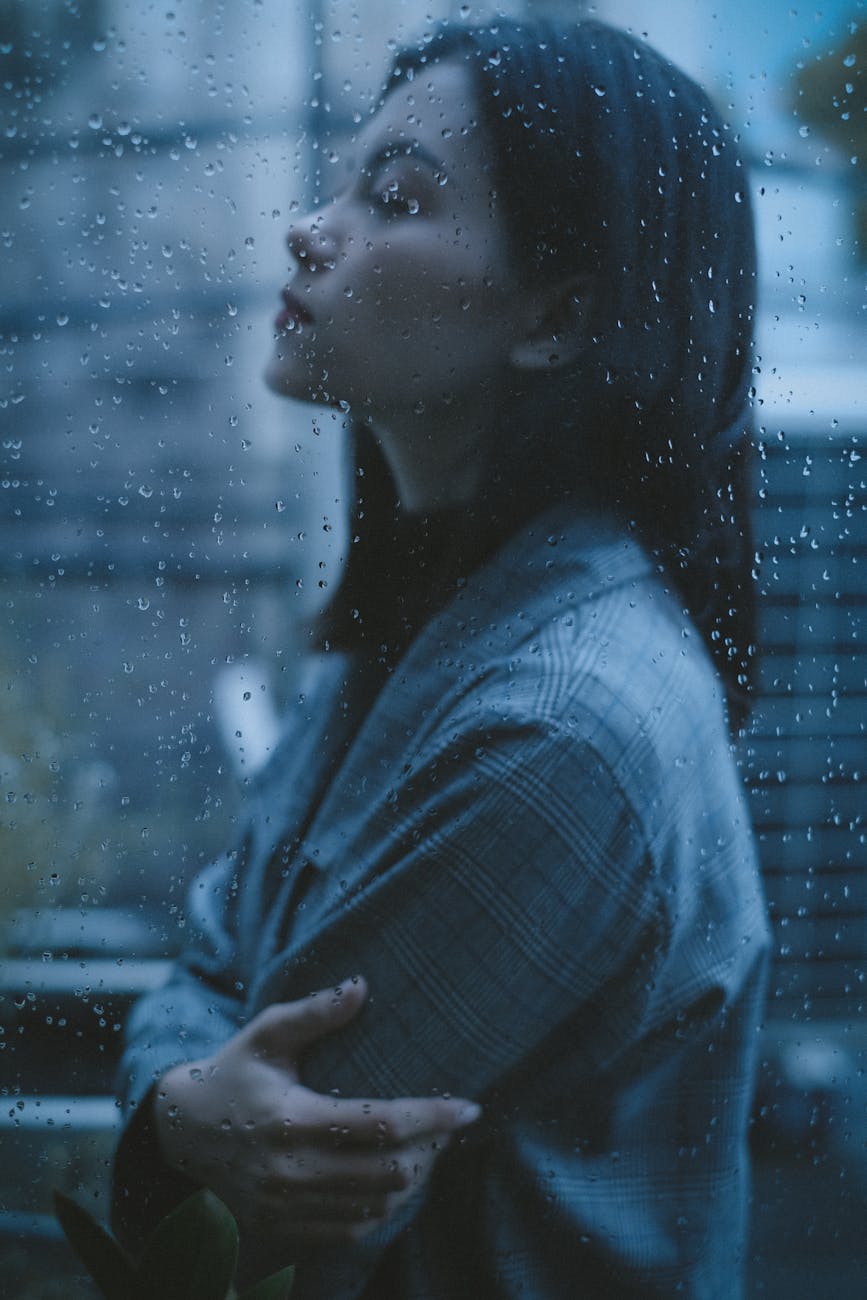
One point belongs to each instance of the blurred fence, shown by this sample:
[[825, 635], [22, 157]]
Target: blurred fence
[[805, 760]]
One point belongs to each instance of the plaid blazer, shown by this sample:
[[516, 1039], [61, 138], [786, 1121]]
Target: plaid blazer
[[533, 844]]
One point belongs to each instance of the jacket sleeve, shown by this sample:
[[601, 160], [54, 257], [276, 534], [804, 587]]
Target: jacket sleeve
[[505, 883]]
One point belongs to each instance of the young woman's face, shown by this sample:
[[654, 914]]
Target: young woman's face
[[404, 292]]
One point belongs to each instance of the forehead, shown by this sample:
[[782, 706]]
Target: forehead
[[435, 110]]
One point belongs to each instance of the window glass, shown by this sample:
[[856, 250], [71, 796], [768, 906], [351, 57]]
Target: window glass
[[167, 523]]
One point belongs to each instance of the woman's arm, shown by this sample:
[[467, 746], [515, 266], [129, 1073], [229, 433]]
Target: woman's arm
[[297, 1167], [505, 891], [505, 884]]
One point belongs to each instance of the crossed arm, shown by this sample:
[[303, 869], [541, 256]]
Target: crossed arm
[[511, 883]]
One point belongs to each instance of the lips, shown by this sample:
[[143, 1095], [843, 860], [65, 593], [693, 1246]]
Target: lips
[[294, 314]]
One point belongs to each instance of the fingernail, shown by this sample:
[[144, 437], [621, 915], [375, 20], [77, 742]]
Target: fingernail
[[469, 1114]]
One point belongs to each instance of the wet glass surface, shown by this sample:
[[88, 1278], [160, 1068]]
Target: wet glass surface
[[164, 520]]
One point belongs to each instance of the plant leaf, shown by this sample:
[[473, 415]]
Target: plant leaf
[[275, 1287], [192, 1253], [108, 1263]]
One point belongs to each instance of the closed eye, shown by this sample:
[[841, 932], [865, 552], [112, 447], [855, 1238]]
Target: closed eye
[[399, 178], [394, 200]]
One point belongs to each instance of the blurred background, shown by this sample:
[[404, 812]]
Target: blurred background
[[164, 520]]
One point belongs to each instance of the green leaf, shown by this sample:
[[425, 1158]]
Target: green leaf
[[107, 1261], [275, 1287], [192, 1254]]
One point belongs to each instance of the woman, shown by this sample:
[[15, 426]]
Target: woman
[[510, 799]]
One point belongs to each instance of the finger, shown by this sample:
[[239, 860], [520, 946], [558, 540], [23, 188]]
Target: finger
[[382, 1124], [289, 1027], [357, 1173]]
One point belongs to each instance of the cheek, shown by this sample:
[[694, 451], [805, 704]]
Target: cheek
[[430, 292]]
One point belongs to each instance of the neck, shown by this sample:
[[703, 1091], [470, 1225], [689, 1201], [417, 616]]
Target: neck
[[438, 456]]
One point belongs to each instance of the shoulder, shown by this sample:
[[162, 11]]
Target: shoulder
[[581, 629], [593, 657]]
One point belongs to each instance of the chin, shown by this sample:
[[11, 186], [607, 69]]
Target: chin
[[288, 380], [276, 381], [300, 387]]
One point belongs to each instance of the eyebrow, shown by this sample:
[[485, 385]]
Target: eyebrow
[[408, 149]]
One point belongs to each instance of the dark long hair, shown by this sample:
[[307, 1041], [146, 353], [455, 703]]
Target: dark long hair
[[607, 159]]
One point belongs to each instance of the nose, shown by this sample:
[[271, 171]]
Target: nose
[[311, 244]]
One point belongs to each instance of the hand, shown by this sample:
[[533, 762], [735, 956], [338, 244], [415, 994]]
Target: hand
[[296, 1167]]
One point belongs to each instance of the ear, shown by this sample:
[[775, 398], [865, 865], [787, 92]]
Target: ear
[[556, 327]]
